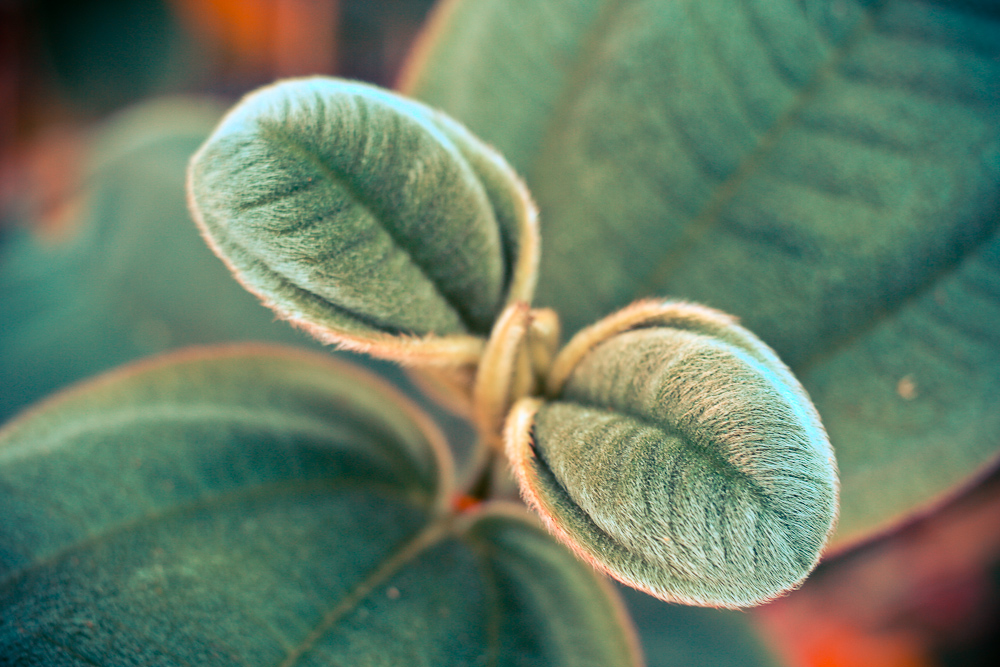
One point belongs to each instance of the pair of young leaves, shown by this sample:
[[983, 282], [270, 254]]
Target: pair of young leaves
[[826, 170], [665, 444]]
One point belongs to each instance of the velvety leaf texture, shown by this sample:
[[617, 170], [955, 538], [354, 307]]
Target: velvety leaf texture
[[687, 464], [348, 208], [132, 277], [259, 506], [828, 171]]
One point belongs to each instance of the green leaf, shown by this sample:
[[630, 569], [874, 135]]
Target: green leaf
[[675, 635], [363, 216], [256, 506], [682, 458], [133, 277], [827, 171]]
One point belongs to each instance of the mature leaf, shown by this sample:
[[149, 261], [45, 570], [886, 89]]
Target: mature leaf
[[255, 506], [674, 635], [133, 277], [358, 214], [913, 406], [682, 458], [819, 168]]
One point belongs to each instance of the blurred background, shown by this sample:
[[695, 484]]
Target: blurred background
[[926, 595], [66, 65]]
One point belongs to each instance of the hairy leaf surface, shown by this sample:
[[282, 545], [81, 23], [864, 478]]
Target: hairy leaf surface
[[684, 459], [351, 210], [829, 171], [256, 506]]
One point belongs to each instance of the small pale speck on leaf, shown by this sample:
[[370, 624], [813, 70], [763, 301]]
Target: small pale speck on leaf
[[392, 593], [907, 388]]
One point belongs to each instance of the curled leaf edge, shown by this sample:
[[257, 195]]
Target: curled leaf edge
[[436, 441]]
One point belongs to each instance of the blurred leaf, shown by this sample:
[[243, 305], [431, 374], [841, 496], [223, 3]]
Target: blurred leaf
[[682, 458], [675, 636], [134, 277], [109, 53], [827, 170], [259, 506]]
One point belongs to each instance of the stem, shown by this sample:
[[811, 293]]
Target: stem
[[482, 488], [515, 364]]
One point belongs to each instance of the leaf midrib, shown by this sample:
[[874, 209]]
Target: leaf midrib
[[718, 462], [286, 141], [429, 536], [724, 193]]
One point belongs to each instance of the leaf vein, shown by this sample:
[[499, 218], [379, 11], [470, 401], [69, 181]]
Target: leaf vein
[[209, 502], [712, 212], [423, 540], [285, 140], [708, 42], [484, 551]]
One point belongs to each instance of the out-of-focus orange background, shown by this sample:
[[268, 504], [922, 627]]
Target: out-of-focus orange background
[[927, 595], [65, 65]]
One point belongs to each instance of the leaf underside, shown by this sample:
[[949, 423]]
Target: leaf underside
[[264, 507], [827, 171]]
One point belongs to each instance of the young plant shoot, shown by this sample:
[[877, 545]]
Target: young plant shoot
[[666, 445]]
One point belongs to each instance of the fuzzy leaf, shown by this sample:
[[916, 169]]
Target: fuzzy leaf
[[683, 458], [132, 277], [828, 171], [361, 215], [256, 506]]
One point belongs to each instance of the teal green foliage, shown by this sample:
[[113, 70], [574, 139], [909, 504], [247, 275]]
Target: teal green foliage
[[306, 189], [691, 466], [675, 635], [133, 277], [352, 209], [255, 506], [827, 171], [926, 412]]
